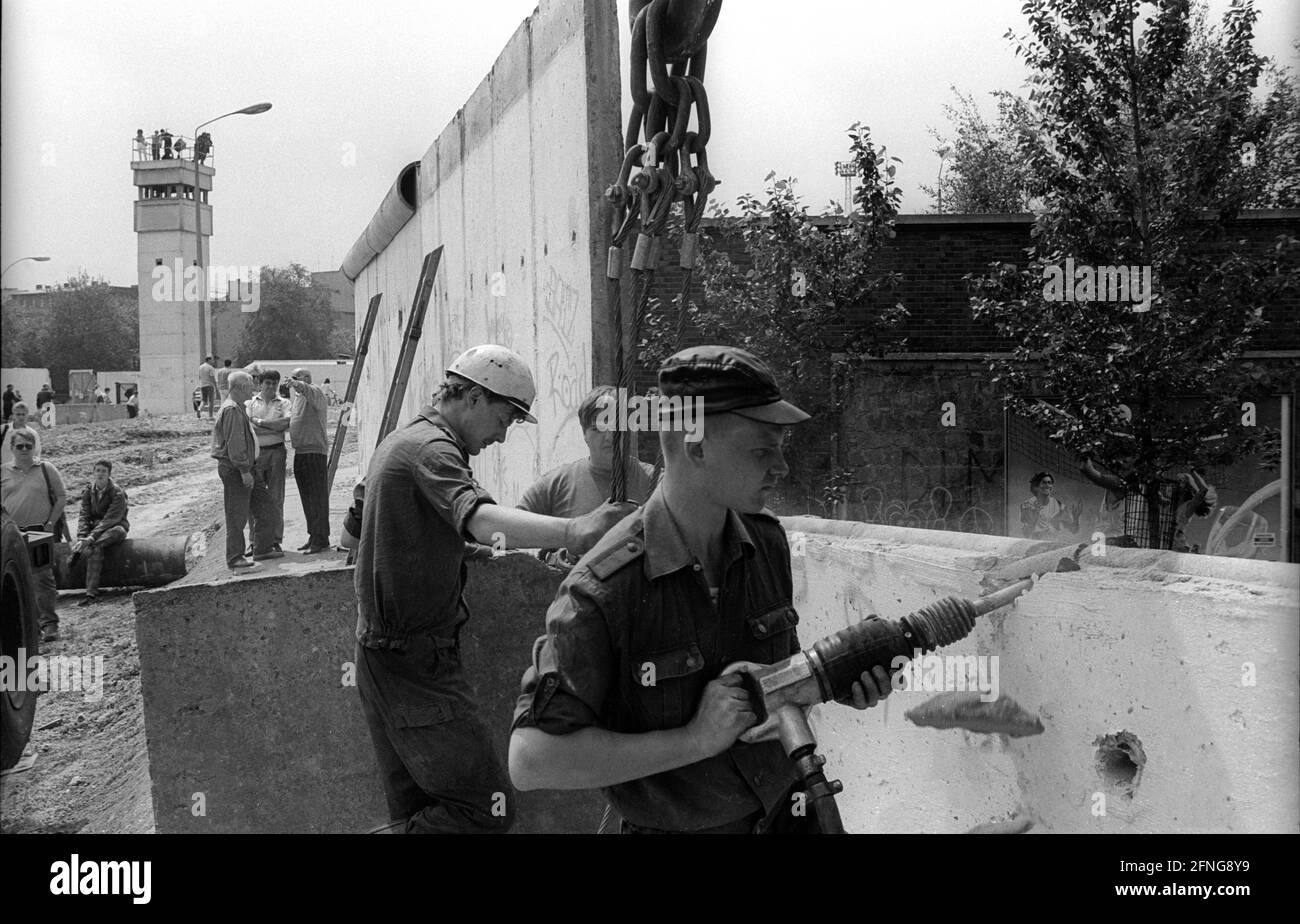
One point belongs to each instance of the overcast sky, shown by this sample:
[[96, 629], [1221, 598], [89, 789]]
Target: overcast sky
[[383, 77]]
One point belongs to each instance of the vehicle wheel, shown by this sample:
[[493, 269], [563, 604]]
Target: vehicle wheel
[[18, 630]]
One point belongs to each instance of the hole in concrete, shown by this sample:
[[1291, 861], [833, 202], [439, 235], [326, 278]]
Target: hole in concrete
[[1120, 761]]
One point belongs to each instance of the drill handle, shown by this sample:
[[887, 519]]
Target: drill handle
[[766, 727]]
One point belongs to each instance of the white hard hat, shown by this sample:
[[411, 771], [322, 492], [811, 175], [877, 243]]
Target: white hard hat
[[501, 371]]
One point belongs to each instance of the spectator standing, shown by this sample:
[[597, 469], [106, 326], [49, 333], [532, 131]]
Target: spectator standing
[[141, 146], [166, 144], [270, 416], [9, 399], [34, 495], [234, 446], [1043, 516], [208, 385], [8, 431], [202, 145], [223, 380], [102, 524], [155, 143], [132, 404], [44, 397], [310, 458], [330, 393]]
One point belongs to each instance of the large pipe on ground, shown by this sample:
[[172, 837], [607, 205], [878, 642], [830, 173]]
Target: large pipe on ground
[[150, 562]]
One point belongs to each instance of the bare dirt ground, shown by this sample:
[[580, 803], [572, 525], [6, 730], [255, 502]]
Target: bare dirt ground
[[92, 769]]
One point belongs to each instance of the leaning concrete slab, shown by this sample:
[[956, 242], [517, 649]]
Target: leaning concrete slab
[[252, 721]]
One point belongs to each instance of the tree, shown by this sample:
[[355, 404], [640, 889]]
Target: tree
[[1268, 169], [1137, 167], [20, 335], [88, 326], [983, 172], [293, 320], [808, 300], [342, 340]]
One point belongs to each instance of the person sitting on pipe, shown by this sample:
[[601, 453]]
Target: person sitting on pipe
[[624, 691], [102, 523]]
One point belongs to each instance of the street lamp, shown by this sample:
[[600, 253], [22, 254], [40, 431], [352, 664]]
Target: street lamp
[[205, 321], [20, 260]]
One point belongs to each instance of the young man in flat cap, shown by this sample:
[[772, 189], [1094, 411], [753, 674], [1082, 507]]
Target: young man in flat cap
[[625, 691], [439, 765]]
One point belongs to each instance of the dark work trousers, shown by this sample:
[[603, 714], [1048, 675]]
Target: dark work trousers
[[239, 501], [309, 472], [268, 481], [95, 555], [436, 759]]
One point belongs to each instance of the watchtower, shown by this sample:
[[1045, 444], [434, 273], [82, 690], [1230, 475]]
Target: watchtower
[[171, 211]]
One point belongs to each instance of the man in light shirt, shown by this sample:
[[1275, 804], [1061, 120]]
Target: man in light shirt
[[223, 380], [207, 385], [269, 414], [310, 458], [581, 486], [16, 423], [33, 493], [234, 446]]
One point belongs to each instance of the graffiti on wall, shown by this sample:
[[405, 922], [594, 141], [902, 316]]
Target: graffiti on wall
[[567, 360], [926, 504]]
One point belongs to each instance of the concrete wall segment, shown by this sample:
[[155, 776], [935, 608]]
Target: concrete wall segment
[[1196, 657], [511, 189]]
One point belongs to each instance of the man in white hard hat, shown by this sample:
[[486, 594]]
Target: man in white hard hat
[[439, 765]]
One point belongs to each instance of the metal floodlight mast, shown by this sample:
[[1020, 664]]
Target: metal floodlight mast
[[847, 169]]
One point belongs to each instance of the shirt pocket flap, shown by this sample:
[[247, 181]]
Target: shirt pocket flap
[[665, 665], [774, 621]]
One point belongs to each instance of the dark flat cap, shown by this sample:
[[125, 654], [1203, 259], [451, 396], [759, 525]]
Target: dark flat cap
[[728, 379]]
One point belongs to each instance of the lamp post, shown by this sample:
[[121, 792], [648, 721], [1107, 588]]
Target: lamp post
[[205, 321], [20, 260]]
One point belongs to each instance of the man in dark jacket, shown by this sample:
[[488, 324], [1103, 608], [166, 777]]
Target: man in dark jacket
[[102, 524]]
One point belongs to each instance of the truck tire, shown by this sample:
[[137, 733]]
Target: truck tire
[[18, 630]]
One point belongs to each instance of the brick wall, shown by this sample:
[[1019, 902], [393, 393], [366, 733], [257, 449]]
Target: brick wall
[[908, 468], [934, 252]]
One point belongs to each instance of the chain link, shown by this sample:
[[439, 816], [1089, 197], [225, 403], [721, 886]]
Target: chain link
[[674, 167]]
